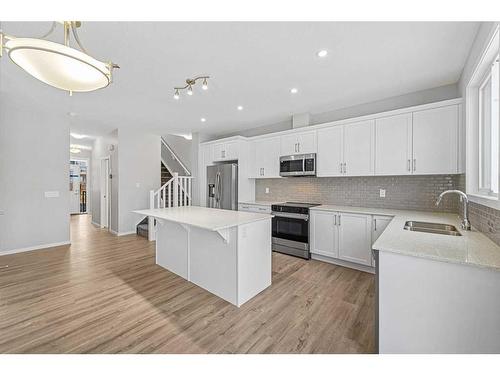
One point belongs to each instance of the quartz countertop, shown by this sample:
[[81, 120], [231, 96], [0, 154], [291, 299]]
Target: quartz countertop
[[213, 219], [472, 248]]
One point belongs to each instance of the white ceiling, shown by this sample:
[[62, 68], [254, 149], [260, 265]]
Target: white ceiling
[[251, 64]]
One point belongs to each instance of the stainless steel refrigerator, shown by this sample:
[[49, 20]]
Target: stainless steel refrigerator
[[222, 186]]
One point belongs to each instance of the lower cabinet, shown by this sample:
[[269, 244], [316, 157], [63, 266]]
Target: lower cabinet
[[259, 208], [342, 235], [379, 225]]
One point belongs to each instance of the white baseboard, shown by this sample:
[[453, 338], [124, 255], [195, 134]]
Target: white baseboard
[[113, 232], [32, 248], [96, 224], [343, 263], [126, 233]]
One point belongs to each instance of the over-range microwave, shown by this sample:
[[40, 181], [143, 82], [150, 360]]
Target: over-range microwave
[[298, 165]]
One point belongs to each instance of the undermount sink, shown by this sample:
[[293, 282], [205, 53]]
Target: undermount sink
[[437, 228]]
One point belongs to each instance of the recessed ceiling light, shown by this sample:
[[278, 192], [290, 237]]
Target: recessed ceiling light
[[72, 114], [322, 53], [240, 108], [203, 119], [294, 90], [75, 150]]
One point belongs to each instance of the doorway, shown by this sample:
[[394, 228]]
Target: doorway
[[105, 192], [78, 183]]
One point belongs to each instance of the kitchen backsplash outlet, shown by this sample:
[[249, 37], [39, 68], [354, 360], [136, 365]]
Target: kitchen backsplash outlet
[[402, 192]]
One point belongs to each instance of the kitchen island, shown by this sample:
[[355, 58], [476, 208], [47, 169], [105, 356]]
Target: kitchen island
[[225, 252]]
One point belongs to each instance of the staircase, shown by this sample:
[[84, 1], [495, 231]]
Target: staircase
[[175, 190]]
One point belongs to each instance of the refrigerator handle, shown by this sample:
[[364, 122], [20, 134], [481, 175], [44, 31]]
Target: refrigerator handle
[[217, 190]]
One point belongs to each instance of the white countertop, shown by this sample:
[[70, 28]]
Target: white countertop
[[203, 217], [472, 248]]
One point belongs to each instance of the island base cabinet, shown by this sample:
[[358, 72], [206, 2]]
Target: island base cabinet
[[234, 263]]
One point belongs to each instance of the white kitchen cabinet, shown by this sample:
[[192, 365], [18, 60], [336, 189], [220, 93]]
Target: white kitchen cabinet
[[379, 223], [393, 145], [359, 149], [435, 141], [330, 152], [324, 233], [346, 150], [265, 155], [355, 238], [225, 151], [298, 143]]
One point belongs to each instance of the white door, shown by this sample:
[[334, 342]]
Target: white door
[[329, 158], [359, 148], [306, 143], [105, 188], [75, 189], [435, 134], [393, 145], [324, 233], [267, 156], [355, 238]]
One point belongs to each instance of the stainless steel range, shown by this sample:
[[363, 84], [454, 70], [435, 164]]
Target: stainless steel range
[[291, 228]]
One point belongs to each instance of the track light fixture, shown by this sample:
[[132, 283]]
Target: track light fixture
[[190, 82]]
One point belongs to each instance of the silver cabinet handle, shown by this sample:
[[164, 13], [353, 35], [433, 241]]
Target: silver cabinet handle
[[334, 219], [298, 146], [340, 168], [414, 165], [408, 166], [263, 171], [295, 147], [339, 221], [375, 221]]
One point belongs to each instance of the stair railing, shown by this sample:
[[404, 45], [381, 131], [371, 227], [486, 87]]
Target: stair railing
[[175, 192]]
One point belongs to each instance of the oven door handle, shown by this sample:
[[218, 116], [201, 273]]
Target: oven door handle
[[290, 215]]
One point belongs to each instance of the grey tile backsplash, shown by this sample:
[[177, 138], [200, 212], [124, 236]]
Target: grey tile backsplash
[[402, 192]]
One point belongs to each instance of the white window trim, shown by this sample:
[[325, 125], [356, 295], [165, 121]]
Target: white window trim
[[472, 125]]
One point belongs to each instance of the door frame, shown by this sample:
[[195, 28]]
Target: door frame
[[89, 183], [105, 186]]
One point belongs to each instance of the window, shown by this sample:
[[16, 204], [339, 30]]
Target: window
[[488, 130]]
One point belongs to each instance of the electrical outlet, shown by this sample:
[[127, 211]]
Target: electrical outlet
[[267, 190], [382, 193]]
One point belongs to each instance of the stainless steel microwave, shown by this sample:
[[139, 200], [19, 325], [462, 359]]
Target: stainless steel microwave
[[298, 165]]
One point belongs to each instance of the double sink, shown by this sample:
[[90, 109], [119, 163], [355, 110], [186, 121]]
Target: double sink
[[437, 228]]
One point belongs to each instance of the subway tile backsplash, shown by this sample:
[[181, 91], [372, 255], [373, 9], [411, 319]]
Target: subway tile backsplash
[[401, 192]]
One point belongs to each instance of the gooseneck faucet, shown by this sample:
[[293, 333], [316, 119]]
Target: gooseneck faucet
[[465, 202]]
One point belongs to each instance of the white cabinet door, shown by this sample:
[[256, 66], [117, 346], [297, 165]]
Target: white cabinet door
[[359, 148], [307, 142], [330, 152], [393, 152], [218, 151], [231, 150], [355, 238], [298, 143], [379, 225], [266, 156], [435, 146], [324, 233]]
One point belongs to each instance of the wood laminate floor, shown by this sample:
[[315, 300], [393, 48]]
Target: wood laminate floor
[[104, 294]]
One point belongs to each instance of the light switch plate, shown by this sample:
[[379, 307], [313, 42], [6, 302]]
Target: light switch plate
[[382, 193], [267, 190], [52, 194]]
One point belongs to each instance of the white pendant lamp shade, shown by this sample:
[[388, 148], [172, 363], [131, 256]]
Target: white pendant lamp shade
[[58, 65]]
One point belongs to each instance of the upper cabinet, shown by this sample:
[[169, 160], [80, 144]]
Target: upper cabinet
[[393, 145], [435, 141], [265, 157], [346, 150], [225, 151], [298, 143]]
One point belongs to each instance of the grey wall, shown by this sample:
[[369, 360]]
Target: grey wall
[[139, 172], [182, 148], [34, 158], [416, 98], [402, 192]]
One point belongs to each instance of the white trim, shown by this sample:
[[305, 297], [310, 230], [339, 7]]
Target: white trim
[[32, 248], [114, 232], [126, 233], [95, 224], [491, 202]]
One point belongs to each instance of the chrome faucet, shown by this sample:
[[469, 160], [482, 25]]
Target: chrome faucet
[[465, 202]]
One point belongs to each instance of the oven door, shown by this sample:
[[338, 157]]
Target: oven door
[[291, 229]]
